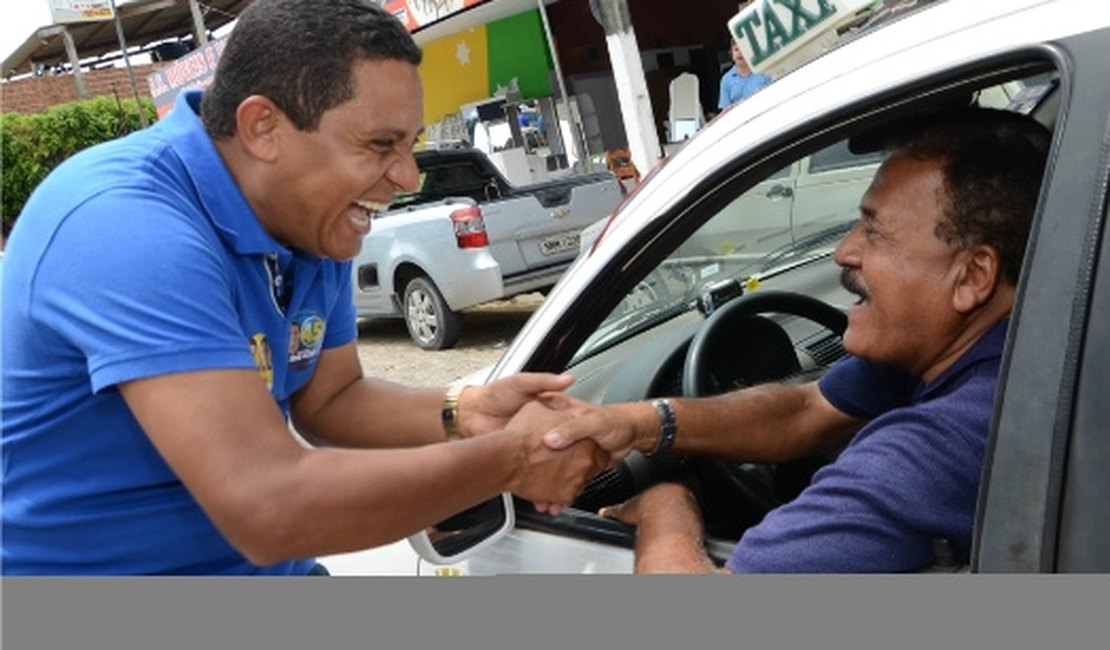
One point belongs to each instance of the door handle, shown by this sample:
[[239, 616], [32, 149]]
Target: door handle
[[780, 191]]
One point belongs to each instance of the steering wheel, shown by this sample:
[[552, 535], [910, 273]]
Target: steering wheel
[[772, 354], [765, 354]]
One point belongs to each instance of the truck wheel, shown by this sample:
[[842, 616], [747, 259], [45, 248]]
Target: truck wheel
[[432, 325]]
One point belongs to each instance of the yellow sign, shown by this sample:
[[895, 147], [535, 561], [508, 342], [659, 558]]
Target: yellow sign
[[455, 71], [81, 11]]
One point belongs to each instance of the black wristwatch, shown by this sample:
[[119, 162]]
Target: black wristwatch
[[667, 427]]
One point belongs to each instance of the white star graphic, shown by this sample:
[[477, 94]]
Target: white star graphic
[[462, 53]]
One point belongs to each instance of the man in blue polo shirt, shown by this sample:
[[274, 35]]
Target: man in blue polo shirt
[[174, 300], [934, 260]]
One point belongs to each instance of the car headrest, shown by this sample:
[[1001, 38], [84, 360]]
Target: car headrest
[[877, 137]]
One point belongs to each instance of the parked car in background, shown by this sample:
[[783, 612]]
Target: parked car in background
[[469, 236], [649, 307]]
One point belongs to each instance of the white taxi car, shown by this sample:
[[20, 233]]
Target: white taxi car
[[707, 230]]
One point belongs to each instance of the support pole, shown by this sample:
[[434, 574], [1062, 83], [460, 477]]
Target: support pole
[[200, 33], [576, 121], [127, 62], [75, 64], [632, 91]]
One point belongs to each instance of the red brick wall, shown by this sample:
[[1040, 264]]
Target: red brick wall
[[34, 94]]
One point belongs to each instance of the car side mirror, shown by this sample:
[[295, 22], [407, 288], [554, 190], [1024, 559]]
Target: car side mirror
[[459, 536]]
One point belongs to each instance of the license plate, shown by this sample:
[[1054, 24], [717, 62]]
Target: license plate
[[559, 243]]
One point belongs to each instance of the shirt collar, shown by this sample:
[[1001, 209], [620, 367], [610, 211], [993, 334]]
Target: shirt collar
[[221, 198], [988, 347]]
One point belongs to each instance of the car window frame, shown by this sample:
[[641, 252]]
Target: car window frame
[[1021, 512], [751, 167], [639, 255]]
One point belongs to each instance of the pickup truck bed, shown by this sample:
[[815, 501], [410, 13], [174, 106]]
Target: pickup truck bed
[[468, 236]]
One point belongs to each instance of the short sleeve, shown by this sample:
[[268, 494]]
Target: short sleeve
[[343, 321], [865, 390], [139, 291]]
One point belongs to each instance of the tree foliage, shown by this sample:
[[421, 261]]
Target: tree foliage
[[33, 145]]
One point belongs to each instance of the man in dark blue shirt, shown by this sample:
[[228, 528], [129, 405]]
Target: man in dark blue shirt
[[934, 260]]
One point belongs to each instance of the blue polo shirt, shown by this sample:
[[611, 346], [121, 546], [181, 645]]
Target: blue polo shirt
[[910, 476], [136, 258], [736, 87]]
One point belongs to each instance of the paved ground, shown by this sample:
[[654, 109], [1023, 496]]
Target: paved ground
[[387, 351]]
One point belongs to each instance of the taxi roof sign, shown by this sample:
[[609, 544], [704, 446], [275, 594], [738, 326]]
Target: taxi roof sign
[[777, 36]]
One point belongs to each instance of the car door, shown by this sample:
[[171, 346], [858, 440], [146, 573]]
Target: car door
[[752, 224], [1036, 487], [628, 359], [1043, 506]]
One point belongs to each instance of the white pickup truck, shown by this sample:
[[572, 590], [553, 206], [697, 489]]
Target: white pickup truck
[[468, 236]]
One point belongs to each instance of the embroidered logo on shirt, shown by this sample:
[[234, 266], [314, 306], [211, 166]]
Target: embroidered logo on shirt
[[306, 336], [263, 358]]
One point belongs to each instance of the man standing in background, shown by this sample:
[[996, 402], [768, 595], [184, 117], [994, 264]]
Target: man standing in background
[[739, 83]]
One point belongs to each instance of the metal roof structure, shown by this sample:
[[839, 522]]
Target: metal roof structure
[[144, 23]]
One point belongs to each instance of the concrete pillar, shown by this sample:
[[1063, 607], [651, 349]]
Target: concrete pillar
[[75, 65], [632, 91], [127, 63], [200, 34]]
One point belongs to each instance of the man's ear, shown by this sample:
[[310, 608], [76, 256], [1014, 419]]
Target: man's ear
[[258, 121], [977, 277]]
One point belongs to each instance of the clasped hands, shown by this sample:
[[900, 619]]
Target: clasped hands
[[565, 441]]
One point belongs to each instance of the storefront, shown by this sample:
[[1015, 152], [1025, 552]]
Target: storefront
[[527, 51], [619, 61]]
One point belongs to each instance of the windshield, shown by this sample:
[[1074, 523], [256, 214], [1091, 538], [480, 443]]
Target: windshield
[[793, 217], [790, 219]]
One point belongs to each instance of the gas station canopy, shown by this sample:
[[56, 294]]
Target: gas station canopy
[[144, 23]]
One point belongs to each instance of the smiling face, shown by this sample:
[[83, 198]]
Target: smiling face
[[903, 273], [324, 186]]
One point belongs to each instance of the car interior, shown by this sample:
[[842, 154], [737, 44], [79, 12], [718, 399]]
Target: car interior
[[736, 287]]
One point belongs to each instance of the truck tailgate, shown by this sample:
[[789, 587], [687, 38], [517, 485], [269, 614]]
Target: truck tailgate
[[526, 235]]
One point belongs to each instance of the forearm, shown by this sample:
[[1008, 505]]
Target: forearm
[[341, 407], [341, 500], [274, 499], [670, 536], [374, 413], [768, 423]]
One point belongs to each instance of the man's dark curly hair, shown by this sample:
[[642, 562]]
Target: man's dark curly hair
[[300, 54], [994, 161]]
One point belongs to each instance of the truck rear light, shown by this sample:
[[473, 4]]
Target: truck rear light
[[470, 229]]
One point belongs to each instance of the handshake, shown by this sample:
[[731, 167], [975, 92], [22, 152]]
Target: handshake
[[560, 442]]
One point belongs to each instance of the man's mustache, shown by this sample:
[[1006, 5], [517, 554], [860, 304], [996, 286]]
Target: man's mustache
[[849, 279]]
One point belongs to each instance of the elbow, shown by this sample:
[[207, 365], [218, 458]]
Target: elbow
[[263, 529], [264, 544]]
